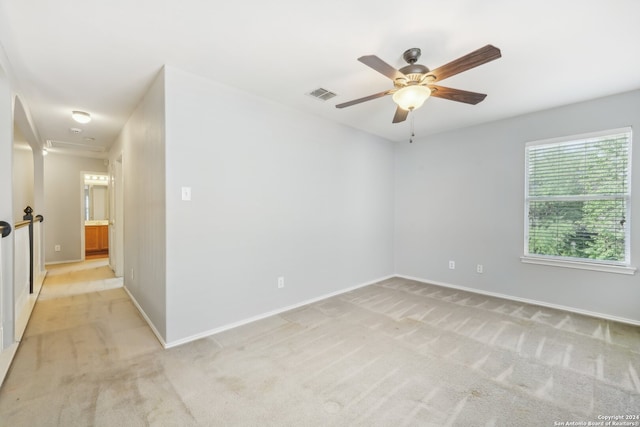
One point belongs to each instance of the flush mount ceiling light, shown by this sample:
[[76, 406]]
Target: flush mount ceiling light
[[81, 116]]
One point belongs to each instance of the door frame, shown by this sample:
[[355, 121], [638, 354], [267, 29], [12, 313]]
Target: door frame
[[83, 207], [116, 217]]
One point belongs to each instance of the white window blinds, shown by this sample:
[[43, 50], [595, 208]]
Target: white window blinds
[[577, 197]]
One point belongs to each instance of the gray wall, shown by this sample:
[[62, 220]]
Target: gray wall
[[63, 223], [142, 147], [23, 183], [274, 193], [460, 196]]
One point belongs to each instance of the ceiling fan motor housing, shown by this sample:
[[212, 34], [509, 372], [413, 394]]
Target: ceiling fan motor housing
[[414, 71], [410, 69]]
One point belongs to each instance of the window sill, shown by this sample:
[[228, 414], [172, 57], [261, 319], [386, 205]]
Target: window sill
[[607, 268]]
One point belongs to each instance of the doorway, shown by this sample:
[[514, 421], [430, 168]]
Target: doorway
[[95, 214]]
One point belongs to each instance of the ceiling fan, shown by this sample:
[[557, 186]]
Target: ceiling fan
[[414, 83]]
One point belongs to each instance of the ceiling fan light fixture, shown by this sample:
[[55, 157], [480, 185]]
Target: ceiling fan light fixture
[[411, 97], [81, 116]]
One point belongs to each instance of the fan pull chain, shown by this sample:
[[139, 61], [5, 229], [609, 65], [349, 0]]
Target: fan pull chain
[[412, 128]]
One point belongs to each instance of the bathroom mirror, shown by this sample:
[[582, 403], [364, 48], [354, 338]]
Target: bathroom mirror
[[96, 198]]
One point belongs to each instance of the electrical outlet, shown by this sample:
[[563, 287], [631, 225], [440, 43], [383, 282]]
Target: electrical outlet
[[452, 265], [280, 282], [479, 269], [57, 248]]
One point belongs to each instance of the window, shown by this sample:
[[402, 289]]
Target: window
[[577, 198]]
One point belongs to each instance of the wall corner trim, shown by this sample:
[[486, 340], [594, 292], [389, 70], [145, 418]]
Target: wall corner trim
[[146, 319]]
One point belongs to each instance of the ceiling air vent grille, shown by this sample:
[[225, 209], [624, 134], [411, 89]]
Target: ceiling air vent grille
[[322, 94], [66, 145]]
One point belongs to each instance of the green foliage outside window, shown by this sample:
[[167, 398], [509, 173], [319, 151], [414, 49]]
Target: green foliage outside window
[[577, 198]]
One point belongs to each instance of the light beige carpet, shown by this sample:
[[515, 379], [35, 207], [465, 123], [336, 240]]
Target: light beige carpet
[[398, 353]]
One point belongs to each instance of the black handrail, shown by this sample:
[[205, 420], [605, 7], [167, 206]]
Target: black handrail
[[29, 217], [5, 228], [25, 223], [28, 221]]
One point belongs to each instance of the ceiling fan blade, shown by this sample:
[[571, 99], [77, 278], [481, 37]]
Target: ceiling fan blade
[[366, 98], [382, 67], [457, 94], [400, 116], [467, 62]]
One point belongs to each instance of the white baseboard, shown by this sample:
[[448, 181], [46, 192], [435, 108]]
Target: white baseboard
[[524, 300], [146, 318], [270, 313], [6, 358], [39, 281], [24, 308], [64, 262]]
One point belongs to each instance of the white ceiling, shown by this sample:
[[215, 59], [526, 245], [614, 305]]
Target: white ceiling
[[100, 56]]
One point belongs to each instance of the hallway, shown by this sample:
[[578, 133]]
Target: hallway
[[83, 330]]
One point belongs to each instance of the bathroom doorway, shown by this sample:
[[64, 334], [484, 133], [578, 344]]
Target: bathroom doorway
[[95, 206]]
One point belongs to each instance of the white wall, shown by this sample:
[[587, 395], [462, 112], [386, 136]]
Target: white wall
[[13, 115], [21, 278], [460, 196], [23, 196], [274, 193], [6, 205], [141, 145], [63, 220]]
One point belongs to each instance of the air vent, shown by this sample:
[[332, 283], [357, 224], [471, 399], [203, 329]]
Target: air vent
[[322, 94], [65, 145]]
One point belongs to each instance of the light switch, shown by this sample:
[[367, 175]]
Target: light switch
[[186, 193]]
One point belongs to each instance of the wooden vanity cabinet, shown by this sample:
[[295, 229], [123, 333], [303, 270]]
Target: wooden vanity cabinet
[[96, 239]]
